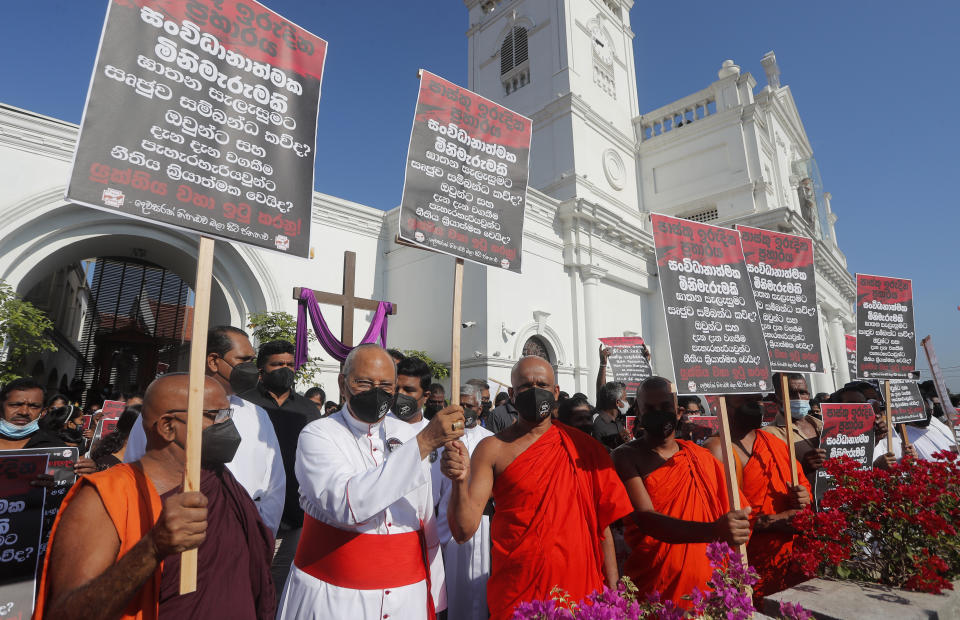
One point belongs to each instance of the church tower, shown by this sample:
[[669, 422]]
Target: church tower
[[568, 66]]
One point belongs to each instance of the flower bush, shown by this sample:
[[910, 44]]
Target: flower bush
[[727, 599], [894, 527]]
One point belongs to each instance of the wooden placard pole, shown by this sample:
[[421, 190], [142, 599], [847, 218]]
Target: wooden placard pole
[[904, 440], [198, 358], [455, 333], [886, 396], [729, 466], [788, 418]]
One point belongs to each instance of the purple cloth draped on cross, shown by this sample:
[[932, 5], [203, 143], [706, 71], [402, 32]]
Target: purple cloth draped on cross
[[330, 343]]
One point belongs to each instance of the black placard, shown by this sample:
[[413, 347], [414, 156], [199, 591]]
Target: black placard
[[202, 114], [906, 403], [785, 289], [886, 341], [465, 185], [716, 340], [847, 431], [627, 362], [21, 526]]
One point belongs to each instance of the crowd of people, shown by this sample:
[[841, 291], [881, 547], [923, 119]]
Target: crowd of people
[[395, 503]]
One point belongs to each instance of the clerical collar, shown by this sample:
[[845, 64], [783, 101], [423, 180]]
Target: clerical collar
[[359, 425]]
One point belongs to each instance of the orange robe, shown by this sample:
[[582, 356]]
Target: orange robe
[[766, 481], [553, 503], [134, 507], [689, 486]]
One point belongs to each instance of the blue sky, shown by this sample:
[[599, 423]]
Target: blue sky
[[875, 84]]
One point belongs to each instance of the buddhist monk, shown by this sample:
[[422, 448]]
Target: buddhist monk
[[763, 471], [680, 499], [555, 494], [114, 549]]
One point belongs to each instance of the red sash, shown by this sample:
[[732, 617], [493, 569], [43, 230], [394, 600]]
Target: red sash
[[361, 561]]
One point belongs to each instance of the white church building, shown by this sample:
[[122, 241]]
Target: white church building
[[731, 153]]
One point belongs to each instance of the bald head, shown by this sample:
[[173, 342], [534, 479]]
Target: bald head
[[655, 393], [165, 407], [532, 371], [367, 355]]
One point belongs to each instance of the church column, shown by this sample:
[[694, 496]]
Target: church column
[[838, 346], [591, 276], [823, 382]]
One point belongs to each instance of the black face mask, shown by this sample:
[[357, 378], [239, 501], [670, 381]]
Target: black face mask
[[470, 418], [218, 444], [405, 407], [534, 404], [938, 410], [658, 424], [430, 410], [485, 407], [372, 405], [750, 414], [243, 377], [279, 381]]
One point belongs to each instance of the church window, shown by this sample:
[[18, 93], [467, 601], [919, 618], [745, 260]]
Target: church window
[[514, 60], [708, 215], [535, 345]]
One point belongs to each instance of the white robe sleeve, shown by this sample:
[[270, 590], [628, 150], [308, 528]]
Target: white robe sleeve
[[270, 505], [345, 496], [443, 526]]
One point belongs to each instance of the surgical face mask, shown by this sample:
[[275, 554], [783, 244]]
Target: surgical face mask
[[243, 377], [405, 407], [534, 405], [12, 431], [799, 408], [372, 405], [623, 406], [279, 381], [218, 444]]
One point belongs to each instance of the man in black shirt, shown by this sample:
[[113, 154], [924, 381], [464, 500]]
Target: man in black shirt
[[609, 425], [289, 412], [501, 417]]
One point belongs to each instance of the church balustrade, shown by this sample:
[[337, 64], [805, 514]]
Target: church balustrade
[[676, 115]]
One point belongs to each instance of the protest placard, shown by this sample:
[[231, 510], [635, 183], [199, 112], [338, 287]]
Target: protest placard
[[630, 422], [60, 462], [906, 403], [203, 115], [627, 362], [850, 341], [703, 427], [847, 431], [113, 408], [713, 326], [465, 182], [886, 342], [21, 526], [785, 289]]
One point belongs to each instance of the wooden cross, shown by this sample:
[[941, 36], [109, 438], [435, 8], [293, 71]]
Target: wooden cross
[[347, 300]]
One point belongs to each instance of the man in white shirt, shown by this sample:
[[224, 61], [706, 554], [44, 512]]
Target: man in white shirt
[[369, 547], [931, 436], [466, 566], [257, 465]]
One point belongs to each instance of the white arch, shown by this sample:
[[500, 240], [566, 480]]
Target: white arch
[[42, 232], [551, 337]]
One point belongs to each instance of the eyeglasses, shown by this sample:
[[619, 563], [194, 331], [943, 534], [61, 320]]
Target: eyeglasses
[[367, 384], [218, 415], [28, 406]]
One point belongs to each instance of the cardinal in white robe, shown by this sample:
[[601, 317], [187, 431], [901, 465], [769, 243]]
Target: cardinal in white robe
[[370, 546]]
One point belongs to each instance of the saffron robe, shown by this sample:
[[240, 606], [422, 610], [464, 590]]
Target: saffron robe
[[133, 506], [765, 484], [689, 486], [552, 503]]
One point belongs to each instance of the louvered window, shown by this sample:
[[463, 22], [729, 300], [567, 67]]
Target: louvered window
[[514, 57]]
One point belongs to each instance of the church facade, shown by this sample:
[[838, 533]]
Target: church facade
[[731, 153]]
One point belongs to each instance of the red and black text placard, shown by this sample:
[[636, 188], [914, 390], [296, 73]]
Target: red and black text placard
[[785, 288], [886, 341], [716, 340], [847, 431], [202, 114], [465, 186]]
